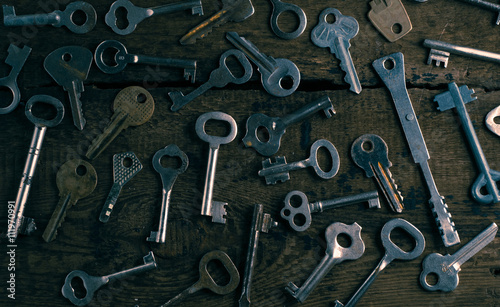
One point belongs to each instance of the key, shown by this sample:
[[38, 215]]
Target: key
[[279, 170], [16, 59], [275, 127], [56, 18], [334, 254], [336, 36], [279, 8], [69, 66], [137, 14], [440, 52], [392, 252], [295, 214], [122, 58], [168, 177], [219, 77], [446, 268], [206, 281], [17, 222], [125, 166], [391, 71], [93, 283], [490, 120], [215, 209], [133, 106], [273, 71], [390, 18], [76, 179]]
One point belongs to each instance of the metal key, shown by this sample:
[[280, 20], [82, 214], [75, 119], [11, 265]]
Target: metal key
[[125, 166], [273, 71], [390, 18], [69, 66], [440, 52], [133, 106], [457, 97], [93, 283], [16, 59], [446, 268], [76, 179], [335, 254], [392, 252], [56, 18], [336, 36], [137, 14], [206, 281], [487, 5], [276, 126], [294, 214], [279, 8], [17, 222], [279, 170], [370, 152], [215, 209], [490, 120], [391, 71], [219, 77], [168, 177]]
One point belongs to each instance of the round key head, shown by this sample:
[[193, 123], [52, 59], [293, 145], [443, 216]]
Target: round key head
[[368, 148], [298, 214], [334, 155], [137, 102], [215, 141], [351, 252], [484, 191], [174, 152], [77, 177], [282, 7], [67, 17], [395, 252], [441, 267], [222, 76], [270, 144], [119, 61], [206, 281], [49, 100], [134, 16], [283, 80]]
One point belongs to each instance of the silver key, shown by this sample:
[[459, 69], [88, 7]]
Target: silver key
[[125, 166], [335, 254], [273, 71], [490, 120], [16, 59], [279, 8], [294, 214], [56, 18], [440, 52], [215, 209], [137, 14]]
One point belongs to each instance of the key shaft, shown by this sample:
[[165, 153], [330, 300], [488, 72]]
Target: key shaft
[[370, 197]]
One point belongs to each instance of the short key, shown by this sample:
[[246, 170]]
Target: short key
[[335, 254], [16, 59], [440, 52]]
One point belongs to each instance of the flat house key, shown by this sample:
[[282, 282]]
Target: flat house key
[[16, 59], [390, 18], [93, 283], [279, 8], [137, 14], [17, 222], [440, 52]]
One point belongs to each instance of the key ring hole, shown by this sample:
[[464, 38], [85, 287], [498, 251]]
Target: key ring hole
[[108, 56], [121, 20], [397, 28], [389, 64], [263, 134], [218, 272], [215, 127], [432, 279], [402, 239], [127, 162], [172, 162], [79, 17], [286, 82], [496, 120], [81, 170], [299, 219], [286, 212], [288, 21], [330, 18], [324, 158], [43, 110], [78, 287], [234, 66], [6, 96], [141, 98], [344, 240], [66, 57], [367, 146], [296, 201]]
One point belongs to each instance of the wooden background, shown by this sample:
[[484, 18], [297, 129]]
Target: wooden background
[[85, 243]]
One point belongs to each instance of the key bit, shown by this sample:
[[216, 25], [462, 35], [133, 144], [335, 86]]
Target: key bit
[[390, 18], [440, 52]]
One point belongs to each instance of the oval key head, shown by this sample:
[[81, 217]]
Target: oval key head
[[394, 251], [137, 102], [90, 283], [170, 151], [77, 177], [447, 278], [351, 252], [120, 57], [293, 214], [206, 281], [134, 16], [368, 148], [334, 155], [222, 76], [215, 141], [481, 184], [41, 122], [67, 17], [275, 129]]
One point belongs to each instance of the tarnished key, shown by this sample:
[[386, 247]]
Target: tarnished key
[[273, 71], [279, 8], [440, 52], [390, 18], [76, 179], [133, 106], [279, 170], [137, 14], [16, 59], [336, 36], [335, 254], [490, 120]]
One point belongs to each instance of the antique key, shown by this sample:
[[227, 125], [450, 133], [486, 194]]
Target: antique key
[[276, 126], [390, 18], [335, 254], [133, 106], [440, 52], [76, 179], [279, 8], [16, 59]]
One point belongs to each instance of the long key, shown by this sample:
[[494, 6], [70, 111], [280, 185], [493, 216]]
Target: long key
[[16, 59], [336, 36], [56, 18], [279, 8], [276, 126], [122, 58], [133, 106], [446, 267], [279, 170], [440, 52], [93, 283], [390, 19], [391, 71], [370, 152], [273, 71], [392, 252], [137, 14], [457, 97], [168, 177], [335, 254], [125, 166], [302, 212], [76, 179]]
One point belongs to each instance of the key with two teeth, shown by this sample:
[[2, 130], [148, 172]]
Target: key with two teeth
[[335, 254], [279, 8], [16, 59], [76, 179], [440, 52]]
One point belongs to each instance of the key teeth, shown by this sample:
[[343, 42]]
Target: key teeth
[[441, 57], [218, 212], [446, 240], [177, 98]]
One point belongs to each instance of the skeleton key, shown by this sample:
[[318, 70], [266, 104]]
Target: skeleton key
[[133, 106], [335, 254], [55, 18], [490, 120], [16, 59], [390, 18], [276, 126], [279, 8], [279, 170], [137, 14], [440, 52], [76, 179], [336, 36], [168, 177], [93, 283]]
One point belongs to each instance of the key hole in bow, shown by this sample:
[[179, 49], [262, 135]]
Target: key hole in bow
[[81, 170], [141, 98], [78, 287], [218, 272], [344, 240], [44, 111], [121, 14], [234, 66], [79, 17], [367, 146], [127, 162], [432, 279], [389, 64], [397, 28], [6, 96], [288, 21], [109, 56], [66, 57], [286, 82], [324, 157], [403, 239], [496, 120], [217, 128], [170, 162], [263, 134], [330, 18]]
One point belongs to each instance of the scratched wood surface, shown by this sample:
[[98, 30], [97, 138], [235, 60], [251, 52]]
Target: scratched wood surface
[[283, 256]]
